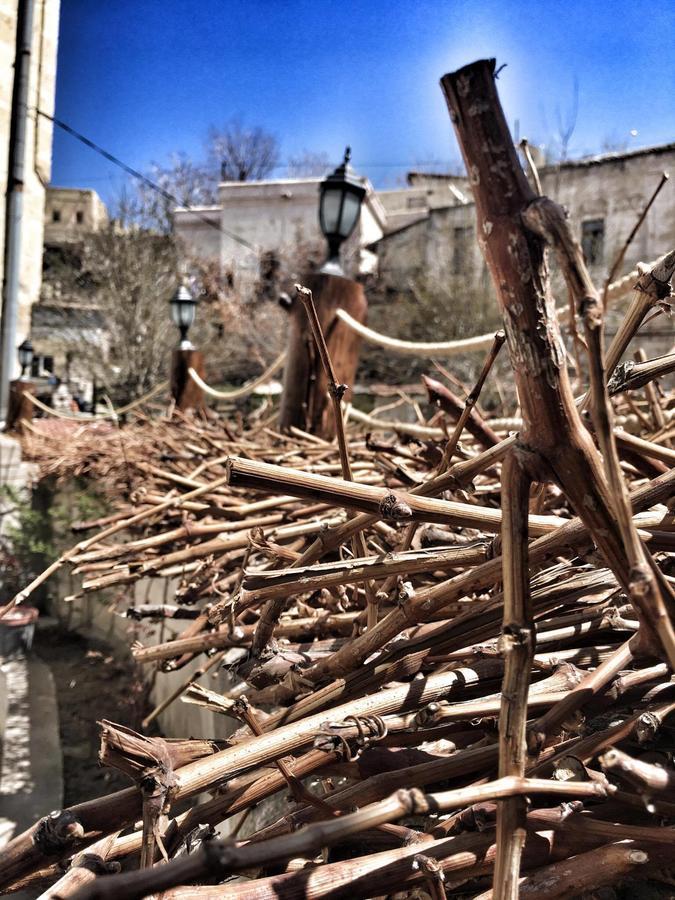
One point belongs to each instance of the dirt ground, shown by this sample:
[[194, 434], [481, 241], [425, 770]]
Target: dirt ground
[[91, 684]]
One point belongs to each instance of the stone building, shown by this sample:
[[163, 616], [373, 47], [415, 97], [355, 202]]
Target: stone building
[[67, 314], [603, 195], [256, 221], [71, 213], [42, 84], [425, 191]]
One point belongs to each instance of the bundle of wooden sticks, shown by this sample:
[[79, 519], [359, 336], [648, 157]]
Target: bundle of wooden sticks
[[454, 656]]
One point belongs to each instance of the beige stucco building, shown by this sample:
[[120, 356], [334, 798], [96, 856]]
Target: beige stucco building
[[256, 218], [38, 158]]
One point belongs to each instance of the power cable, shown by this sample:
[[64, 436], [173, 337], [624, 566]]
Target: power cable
[[147, 181]]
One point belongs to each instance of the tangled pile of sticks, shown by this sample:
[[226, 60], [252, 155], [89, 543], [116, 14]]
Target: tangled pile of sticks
[[454, 656]]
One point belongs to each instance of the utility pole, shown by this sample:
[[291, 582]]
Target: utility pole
[[15, 194]]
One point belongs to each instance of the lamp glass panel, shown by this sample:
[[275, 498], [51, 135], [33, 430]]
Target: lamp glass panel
[[330, 209], [350, 214], [25, 354], [183, 313]]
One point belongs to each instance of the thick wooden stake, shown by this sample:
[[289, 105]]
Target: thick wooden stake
[[305, 401], [186, 393], [20, 409]]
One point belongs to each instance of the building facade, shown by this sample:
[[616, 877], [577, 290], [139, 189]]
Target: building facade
[[72, 213], [257, 220], [42, 85], [603, 196], [67, 314]]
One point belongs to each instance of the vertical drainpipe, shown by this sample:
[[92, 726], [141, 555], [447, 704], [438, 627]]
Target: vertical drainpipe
[[14, 202]]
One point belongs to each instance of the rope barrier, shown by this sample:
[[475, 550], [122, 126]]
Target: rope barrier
[[158, 388], [87, 417], [245, 389], [616, 290], [421, 431], [417, 348], [625, 284], [57, 414]]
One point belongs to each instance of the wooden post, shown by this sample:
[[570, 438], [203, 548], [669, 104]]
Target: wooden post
[[305, 398], [184, 391], [19, 408]]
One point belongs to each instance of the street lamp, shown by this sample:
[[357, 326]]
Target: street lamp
[[25, 356], [339, 207], [183, 309]]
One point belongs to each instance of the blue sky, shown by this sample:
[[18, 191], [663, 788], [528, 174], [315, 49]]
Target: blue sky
[[145, 78]]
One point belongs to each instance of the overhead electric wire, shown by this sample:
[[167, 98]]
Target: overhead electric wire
[[144, 178]]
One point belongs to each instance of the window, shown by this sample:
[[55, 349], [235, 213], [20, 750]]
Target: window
[[592, 240], [42, 366], [461, 250], [416, 202], [56, 215], [79, 217], [270, 266]]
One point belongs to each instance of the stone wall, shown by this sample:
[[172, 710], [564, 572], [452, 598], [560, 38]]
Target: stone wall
[[614, 189], [38, 141], [610, 190], [95, 615]]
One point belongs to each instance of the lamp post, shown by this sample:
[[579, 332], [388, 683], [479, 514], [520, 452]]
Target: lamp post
[[305, 399], [340, 199], [186, 394], [19, 406], [26, 354], [183, 310]]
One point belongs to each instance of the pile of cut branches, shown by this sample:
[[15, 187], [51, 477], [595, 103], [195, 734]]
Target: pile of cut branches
[[454, 656]]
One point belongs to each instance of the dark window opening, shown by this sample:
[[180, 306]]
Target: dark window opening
[[41, 365], [270, 274], [56, 215], [416, 202], [79, 217], [461, 249], [592, 240]]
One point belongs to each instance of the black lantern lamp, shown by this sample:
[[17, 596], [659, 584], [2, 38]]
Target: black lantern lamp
[[25, 356], [339, 207], [183, 309]]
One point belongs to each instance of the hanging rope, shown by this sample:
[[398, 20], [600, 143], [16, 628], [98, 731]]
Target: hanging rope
[[417, 348], [615, 291], [113, 414], [162, 386], [625, 284], [245, 389], [420, 431]]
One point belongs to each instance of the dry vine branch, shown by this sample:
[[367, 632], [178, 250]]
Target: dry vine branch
[[251, 533], [554, 443]]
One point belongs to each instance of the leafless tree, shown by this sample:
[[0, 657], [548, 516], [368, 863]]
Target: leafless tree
[[242, 152], [113, 292], [309, 164], [568, 122], [181, 182], [556, 146], [613, 143], [235, 152]]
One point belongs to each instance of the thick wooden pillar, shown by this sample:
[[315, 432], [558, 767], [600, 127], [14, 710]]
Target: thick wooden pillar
[[184, 391], [19, 407], [305, 397]]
